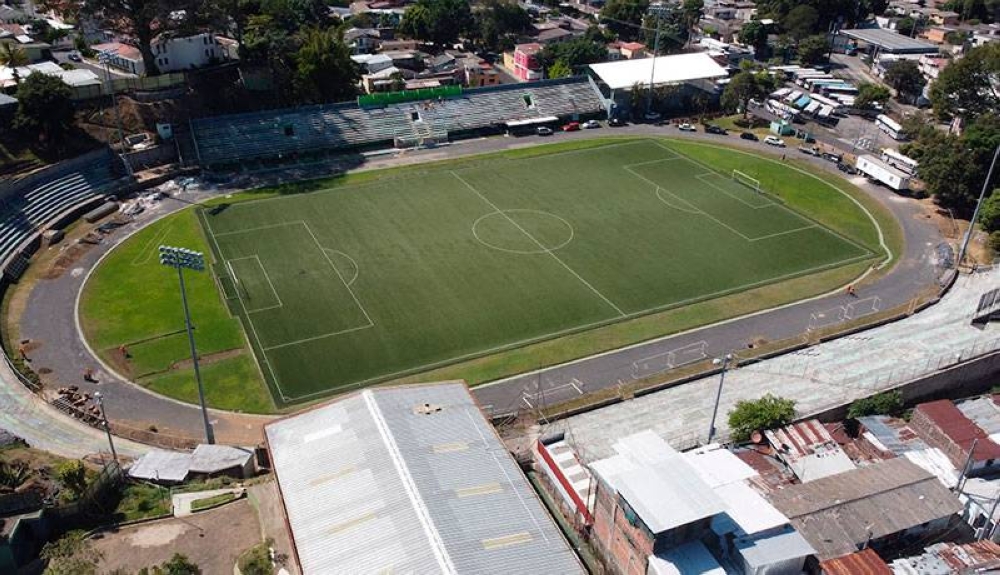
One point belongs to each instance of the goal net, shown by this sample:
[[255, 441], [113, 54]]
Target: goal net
[[746, 180]]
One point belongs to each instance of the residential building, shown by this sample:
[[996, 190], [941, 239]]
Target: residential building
[[932, 64], [936, 34], [554, 35], [525, 65], [865, 562], [170, 54], [944, 18], [11, 15], [479, 73], [978, 557], [632, 50], [83, 83], [808, 449], [940, 424], [362, 40], [888, 503], [205, 461], [409, 479]]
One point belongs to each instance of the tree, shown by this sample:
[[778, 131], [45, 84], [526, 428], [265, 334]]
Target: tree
[[12, 56], [180, 565], [72, 554], [575, 53], [989, 215], [559, 69], [753, 33], [45, 107], [905, 26], [497, 20], [257, 561], [440, 22], [801, 21], [871, 94], [813, 50], [670, 22], [692, 12], [743, 87], [969, 86], [767, 412], [325, 71], [886, 403], [73, 476], [906, 78], [139, 19], [624, 17]]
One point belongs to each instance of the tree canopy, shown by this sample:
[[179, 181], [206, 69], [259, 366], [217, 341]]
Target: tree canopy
[[768, 412], [969, 86], [574, 54], [497, 21], [871, 94], [906, 78], [754, 33], [440, 22], [325, 71], [746, 85], [45, 108], [625, 17], [813, 50]]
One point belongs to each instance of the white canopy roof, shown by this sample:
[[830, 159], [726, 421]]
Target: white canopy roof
[[668, 70]]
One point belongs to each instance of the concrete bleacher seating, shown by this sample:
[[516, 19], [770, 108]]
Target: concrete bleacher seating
[[23, 215], [278, 133]]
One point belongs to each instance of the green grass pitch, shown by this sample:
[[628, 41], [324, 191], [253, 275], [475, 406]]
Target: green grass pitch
[[358, 284]]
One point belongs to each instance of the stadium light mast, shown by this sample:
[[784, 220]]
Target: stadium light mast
[[979, 205], [724, 362], [655, 10], [104, 57], [181, 259]]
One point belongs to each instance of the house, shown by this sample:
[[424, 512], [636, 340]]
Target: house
[[944, 18], [170, 54], [83, 83], [809, 450], [936, 34], [940, 424], [479, 73], [11, 15], [977, 557], [409, 479], [652, 508], [554, 36], [885, 504], [632, 50], [932, 64], [206, 461], [524, 63], [362, 40], [866, 562]]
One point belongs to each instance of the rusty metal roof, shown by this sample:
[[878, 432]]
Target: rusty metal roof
[[865, 562], [959, 428]]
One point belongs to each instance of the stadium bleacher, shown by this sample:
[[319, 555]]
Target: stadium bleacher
[[277, 133], [24, 214]]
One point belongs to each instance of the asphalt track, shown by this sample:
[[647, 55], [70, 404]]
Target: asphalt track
[[64, 352]]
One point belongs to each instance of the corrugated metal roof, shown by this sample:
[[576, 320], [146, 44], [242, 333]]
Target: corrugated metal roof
[[891, 434], [809, 449], [409, 480], [216, 458], [662, 488], [773, 549], [688, 559], [159, 465], [983, 412], [948, 558], [865, 562], [836, 513], [960, 429]]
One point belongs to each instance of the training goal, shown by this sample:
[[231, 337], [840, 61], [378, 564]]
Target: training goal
[[746, 180]]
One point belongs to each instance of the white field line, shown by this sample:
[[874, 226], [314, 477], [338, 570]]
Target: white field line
[[260, 264], [689, 210], [582, 327], [253, 330], [339, 275], [258, 228], [147, 250], [786, 232], [318, 337], [702, 179], [881, 235], [540, 245]]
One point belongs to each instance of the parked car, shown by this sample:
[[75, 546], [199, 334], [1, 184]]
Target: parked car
[[571, 127], [713, 129], [653, 117], [590, 125], [617, 123], [810, 150], [543, 131], [774, 141], [685, 127], [749, 136], [846, 168], [75, 56], [835, 158]]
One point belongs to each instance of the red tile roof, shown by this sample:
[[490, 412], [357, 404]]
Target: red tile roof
[[126, 51], [529, 48], [960, 429], [865, 562]]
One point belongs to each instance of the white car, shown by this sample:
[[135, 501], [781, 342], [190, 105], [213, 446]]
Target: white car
[[685, 127], [590, 125], [774, 141]]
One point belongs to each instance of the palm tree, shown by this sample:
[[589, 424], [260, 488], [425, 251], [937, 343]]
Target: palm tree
[[12, 56]]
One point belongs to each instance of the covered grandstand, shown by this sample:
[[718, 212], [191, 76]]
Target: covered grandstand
[[276, 135]]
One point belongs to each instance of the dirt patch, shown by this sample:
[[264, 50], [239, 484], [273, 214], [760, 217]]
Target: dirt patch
[[68, 256], [207, 359], [949, 227], [212, 539]]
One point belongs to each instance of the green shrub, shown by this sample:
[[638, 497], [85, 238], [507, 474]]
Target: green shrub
[[886, 403], [767, 412]]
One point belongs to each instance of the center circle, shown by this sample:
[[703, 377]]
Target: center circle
[[525, 232]]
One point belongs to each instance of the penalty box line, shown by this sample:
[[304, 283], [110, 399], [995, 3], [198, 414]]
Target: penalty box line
[[260, 264]]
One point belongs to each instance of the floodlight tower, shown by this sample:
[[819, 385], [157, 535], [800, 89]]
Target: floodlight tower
[[724, 362], [99, 400], [181, 259], [105, 57]]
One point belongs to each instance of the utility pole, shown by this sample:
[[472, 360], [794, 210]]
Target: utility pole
[[979, 205], [180, 259], [99, 400], [656, 11], [105, 57], [724, 362], [965, 468]]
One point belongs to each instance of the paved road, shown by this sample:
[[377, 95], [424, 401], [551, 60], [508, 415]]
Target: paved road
[[65, 354]]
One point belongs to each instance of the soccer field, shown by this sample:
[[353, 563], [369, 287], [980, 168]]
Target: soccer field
[[358, 284]]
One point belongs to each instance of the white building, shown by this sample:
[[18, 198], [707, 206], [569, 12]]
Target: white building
[[171, 54]]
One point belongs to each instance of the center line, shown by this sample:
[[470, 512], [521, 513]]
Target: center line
[[539, 244]]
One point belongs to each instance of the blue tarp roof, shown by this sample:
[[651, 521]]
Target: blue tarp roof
[[802, 102]]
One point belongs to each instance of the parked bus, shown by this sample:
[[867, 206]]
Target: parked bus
[[836, 105], [890, 127], [845, 89]]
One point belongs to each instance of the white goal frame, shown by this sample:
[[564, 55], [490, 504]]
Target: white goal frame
[[746, 180]]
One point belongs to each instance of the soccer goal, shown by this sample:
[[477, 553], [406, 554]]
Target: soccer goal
[[746, 180]]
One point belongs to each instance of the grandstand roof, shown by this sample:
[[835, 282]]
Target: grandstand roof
[[668, 70], [410, 479]]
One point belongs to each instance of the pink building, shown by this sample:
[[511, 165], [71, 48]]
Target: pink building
[[526, 65]]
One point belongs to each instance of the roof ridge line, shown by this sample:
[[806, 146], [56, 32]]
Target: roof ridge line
[[409, 485]]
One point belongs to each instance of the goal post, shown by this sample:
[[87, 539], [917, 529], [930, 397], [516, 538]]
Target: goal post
[[746, 180]]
